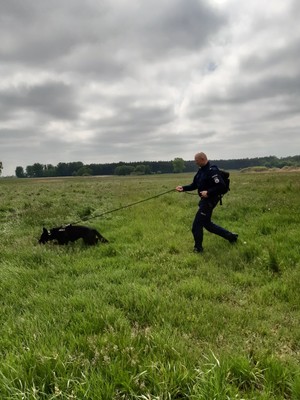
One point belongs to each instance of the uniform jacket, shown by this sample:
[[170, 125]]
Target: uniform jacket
[[207, 178]]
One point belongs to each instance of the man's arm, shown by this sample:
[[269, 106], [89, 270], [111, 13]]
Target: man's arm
[[187, 188]]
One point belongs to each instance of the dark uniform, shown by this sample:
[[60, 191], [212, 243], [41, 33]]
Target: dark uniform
[[208, 179]]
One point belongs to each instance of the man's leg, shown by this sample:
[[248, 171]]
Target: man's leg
[[216, 229], [197, 230]]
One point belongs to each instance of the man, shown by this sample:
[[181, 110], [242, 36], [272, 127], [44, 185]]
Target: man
[[210, 186]]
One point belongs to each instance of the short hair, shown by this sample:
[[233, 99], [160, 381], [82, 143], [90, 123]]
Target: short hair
[[201, 155]]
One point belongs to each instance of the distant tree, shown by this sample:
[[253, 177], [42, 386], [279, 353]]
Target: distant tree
[[68, 169], [83, 171], [35, 171], [124, 170], [161, 167], [74, 167], [1, 167], [38, 170], [148, 167], [20, 172], [178, 165], [29, 171], [102, 169], [62, 169], [142, 169], [49, 170]]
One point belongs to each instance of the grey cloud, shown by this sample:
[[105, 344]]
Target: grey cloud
[[243, 91], [42, 32], [130, 115], [14, 9], [136, 148], [179, 25], [200, 109], [54, 99], [137, 118], [295, 7], [91, 61], [123, 80], [16, 137], [282, 57], [268, 88], [288, 109]]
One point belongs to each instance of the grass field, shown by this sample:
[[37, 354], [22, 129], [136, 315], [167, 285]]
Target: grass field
[[143, 317]]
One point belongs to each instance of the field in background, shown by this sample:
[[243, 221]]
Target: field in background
[[143, 317]]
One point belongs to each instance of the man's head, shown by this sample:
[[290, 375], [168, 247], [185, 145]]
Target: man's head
[[201, 159], [45, 236]]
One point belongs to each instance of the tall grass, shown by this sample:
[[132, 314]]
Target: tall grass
[[143, 317]]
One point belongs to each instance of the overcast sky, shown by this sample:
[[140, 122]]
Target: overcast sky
[[134, 80]]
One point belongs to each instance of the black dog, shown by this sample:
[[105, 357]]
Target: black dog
[[70, 233]]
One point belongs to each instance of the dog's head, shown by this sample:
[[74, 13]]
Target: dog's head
[[45, 236], [52, 234]]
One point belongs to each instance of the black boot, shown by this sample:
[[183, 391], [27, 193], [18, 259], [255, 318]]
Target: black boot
[[198, 249], [233, 237]]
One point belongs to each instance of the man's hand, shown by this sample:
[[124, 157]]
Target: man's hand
[[179, 189], [204, 194]]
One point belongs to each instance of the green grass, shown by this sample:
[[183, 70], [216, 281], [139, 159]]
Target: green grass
[[143, 317]]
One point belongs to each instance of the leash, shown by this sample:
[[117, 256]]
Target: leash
[[122, 208]]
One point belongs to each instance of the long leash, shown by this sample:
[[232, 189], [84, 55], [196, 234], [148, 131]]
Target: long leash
[[122, 208]]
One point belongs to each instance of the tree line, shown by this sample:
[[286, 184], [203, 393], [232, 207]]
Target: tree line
[[177, 165]]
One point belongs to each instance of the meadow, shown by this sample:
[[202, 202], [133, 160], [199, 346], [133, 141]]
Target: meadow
[[143, 317]]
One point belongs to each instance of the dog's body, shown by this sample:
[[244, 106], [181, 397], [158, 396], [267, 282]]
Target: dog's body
[[71, 233]]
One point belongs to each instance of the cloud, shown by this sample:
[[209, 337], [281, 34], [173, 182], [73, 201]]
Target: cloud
[[52, 99], [121, 80]]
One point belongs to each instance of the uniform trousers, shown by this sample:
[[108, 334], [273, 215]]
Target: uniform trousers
[[203, 220]]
